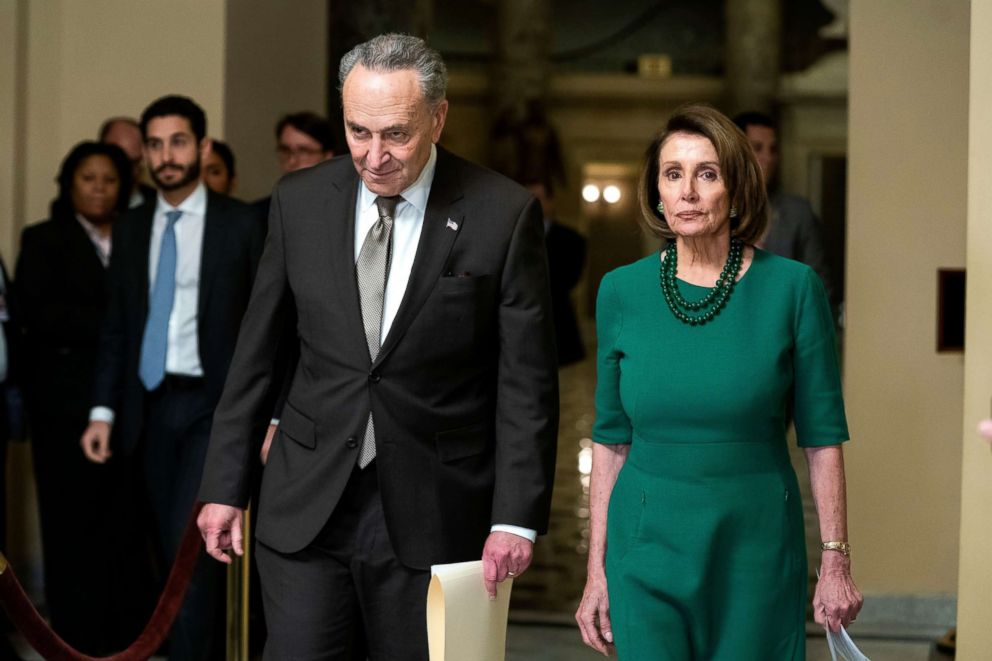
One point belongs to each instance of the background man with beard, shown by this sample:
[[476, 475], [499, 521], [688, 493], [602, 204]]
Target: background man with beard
[[180, 276]]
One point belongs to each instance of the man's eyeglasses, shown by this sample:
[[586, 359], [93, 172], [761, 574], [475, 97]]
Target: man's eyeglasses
[[286, 153]]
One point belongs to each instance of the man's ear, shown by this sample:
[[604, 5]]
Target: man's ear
[[438, 117], [206, 146]]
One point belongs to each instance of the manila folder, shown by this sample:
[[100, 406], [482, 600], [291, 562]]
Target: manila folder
[[462, 623]]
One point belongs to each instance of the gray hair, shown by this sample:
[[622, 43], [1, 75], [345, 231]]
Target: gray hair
[[396, 52]]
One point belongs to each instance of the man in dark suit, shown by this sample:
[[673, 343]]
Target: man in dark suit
[[8, 337], [303, 139], [566, 259], [9, 333], [794, 231], [126, 134], [180, 277], [421, 421]]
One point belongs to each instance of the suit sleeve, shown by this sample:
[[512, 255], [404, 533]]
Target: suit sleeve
[[527, 382], [810, 249], [108, 383], [246, 404]]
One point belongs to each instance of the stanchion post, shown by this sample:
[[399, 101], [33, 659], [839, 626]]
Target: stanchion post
[[238, 576]]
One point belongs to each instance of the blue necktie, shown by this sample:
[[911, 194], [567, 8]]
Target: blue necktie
[[155, 341]]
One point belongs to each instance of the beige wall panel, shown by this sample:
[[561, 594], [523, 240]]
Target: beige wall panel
[[42, 119], [906, 218], [90, 60], [276, 59], [975, 584], [10, 15]]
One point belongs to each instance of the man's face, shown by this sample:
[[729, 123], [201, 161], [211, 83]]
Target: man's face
[[128, 138], [297, 150], [764, 142], [172, 152], [390, 127]]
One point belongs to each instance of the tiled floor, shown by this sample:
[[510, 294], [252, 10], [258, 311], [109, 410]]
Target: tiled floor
[[560, 643], [544, 643]]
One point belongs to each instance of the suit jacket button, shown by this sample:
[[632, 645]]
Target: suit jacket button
[[374, 377], [352, 443]]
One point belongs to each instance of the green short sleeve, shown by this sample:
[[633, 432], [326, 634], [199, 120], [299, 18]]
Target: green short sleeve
[[612, 424]]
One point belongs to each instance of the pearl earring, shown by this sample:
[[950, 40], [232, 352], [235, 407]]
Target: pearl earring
[[661, 208]]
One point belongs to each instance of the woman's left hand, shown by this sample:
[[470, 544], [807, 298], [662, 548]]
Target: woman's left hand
[[837, 601]]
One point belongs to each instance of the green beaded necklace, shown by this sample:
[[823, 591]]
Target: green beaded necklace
[[703, 311]]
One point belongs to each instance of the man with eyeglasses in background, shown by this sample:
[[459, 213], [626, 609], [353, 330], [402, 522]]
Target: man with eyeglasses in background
[[303, 139]]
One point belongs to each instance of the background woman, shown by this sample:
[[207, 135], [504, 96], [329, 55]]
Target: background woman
[[697, 548], [92, 552]]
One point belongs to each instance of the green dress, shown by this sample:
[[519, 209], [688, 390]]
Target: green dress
[[705, 550]]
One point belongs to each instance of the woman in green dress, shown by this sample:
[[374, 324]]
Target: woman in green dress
[[705, 351]]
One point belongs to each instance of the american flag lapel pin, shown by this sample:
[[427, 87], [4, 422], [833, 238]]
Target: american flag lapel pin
[[452, 225]]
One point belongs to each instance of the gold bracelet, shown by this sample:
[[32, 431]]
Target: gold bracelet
[[841, 547]]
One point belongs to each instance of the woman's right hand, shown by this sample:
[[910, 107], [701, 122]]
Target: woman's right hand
[[593, 615]]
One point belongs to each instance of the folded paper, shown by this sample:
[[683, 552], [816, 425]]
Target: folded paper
[[462, 623], [842, 648]]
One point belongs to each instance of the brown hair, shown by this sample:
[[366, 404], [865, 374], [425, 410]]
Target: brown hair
[[738, 166]]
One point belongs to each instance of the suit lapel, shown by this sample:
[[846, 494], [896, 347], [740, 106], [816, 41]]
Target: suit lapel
[[143, 218], [79, 245], [442, 222], [213, 244], [340, 239]]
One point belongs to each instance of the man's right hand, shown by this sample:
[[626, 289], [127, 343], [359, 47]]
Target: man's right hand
[[221, 527], [96, 442]]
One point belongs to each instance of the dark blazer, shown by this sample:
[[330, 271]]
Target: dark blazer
[[11, 423], [63, 290], [233, 236], [11, 332], [566, 257], [464, 391], [795, 232]]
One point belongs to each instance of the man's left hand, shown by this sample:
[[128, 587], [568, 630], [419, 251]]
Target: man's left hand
[[505, 555]]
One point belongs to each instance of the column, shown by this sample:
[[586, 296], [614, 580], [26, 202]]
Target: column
[[753, 45]]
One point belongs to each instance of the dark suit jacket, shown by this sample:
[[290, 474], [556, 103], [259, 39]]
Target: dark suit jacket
[[232, 241], [463, 391], [11, 332], [566, 257], [795, 232], [10, 413], [63, 285]]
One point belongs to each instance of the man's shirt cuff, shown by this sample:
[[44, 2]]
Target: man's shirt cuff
[[102, 414], [526, 533]]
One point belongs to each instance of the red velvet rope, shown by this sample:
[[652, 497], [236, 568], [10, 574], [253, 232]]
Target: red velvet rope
[[47, 643]]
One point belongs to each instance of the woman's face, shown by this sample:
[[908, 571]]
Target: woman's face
[[692, 187], [95, 189], [216, 175]]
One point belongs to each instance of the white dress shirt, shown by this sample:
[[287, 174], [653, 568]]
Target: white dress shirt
[[182, 355], [183, 350], [408, 221]]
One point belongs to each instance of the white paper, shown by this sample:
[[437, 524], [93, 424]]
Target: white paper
[[842, 648], [462, 623]]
